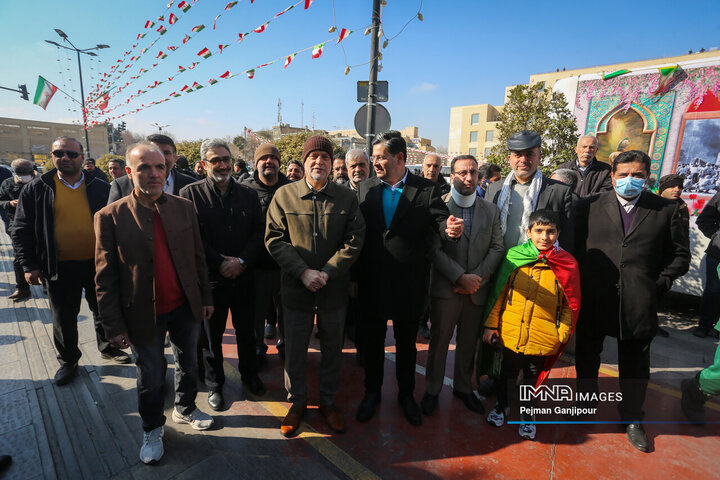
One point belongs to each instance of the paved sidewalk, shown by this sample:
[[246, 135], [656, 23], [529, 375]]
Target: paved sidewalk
[[91, 429]]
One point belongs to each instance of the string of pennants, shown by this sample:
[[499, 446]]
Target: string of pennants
[[317, 51], [101, 95], [257, 137]]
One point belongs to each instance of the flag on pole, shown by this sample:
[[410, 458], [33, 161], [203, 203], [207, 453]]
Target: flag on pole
[[205, 53], [184, 6], [230, 5], [343, 34], [197, 28], [317, 50], [289, 59], [44, 92], [251, 73], [162, 30], [185, 40], [172, 19]]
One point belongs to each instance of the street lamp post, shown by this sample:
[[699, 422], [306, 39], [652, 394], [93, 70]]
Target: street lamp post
[[159, 127], [86, 51]]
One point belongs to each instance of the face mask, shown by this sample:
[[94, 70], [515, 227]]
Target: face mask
[[24, 178], [629, 187]]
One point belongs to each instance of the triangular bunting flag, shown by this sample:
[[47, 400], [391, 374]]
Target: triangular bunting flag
[[343, 35], [172, 19], [289, 59], [261, 28], [221, 47], [197, 28], [162, 30], [149, 24], [318, 50], [225, 75], [205, 53], [230, 5], [308, 3], [251, 73], [185, 40], [184, 6]]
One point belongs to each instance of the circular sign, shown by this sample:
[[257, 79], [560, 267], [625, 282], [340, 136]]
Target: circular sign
[[382, 120]]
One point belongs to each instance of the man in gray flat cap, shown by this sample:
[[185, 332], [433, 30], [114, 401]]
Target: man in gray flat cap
[[527, 190]]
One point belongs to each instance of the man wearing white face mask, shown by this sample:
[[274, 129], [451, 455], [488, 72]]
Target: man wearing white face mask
[[24, 171], [632, 245]]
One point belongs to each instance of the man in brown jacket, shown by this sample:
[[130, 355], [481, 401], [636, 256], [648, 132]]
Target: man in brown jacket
[[152, 278], [314, 232]]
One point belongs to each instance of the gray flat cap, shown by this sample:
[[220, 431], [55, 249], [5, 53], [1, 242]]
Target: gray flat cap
[[523, 140]]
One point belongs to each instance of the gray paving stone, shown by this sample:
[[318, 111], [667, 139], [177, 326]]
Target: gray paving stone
[[11, 377], [15, 410], [21, 445]]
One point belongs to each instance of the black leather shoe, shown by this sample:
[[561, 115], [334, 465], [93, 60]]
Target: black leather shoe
[[410, 409], [470, 401], [116, 355], [429, 404], [366, 410], [637, 437], [255, 385], [20, 294], [65, 374], [216, 400]]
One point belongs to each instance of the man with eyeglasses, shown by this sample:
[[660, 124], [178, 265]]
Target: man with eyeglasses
[[231, 226], [122, 187], [54, 239]]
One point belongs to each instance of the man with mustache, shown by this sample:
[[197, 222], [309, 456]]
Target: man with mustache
[[593, 175], [358, 167], [231, 227]]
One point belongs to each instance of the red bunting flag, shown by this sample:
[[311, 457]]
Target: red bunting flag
[[161, 18], [161, 55], [343, 34], [194, 64], [185, 40], [230, 5], [318, 50], [162, 30], [289, 59], [251, 73], [172, 19], [197, 28], [221, 47], [212, 81], [205, 53], [240, 37], [185, 87], [215, 21], [260, 29], [149, 24], [308, 3], [184, 6], [171, 48], [181, 68], [225, 75]]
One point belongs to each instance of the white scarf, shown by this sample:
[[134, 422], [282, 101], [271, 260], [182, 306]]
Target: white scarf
[[463, 201], [529, 203]]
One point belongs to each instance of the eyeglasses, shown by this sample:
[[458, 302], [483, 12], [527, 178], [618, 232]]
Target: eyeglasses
[[215, 160], [62, 153]]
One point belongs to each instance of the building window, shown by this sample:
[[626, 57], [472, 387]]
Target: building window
[[487, 151], [472, 151], [475, 119], [489, 135], [473, 137]]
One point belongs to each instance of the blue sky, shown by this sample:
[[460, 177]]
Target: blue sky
[[464, 52]]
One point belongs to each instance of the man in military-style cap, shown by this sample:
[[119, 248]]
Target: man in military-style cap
[[526, 189]]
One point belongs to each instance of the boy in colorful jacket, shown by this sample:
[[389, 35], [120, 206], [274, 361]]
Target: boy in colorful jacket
[[533, 311]]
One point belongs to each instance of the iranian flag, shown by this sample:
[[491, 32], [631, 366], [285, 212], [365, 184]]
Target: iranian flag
[[162, 30], [104, 102], [261, 28], [343, 35], [667, 77], [317, 50], [161, 55], [308, 3], [240, 37], [184, 88], [184, 6], [143, 50], [251, 73], [181, 68], [197, 28], [194, 64], [171, 48], [140, 35], [205, 53], [149, 24], [185, 40], [212, 81], [230, 5], [172, 19], [289, 59], [44, 92], [221, 47], [196, 86], [226, 74]]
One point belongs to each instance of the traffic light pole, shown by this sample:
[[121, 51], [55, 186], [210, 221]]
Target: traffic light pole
[[22, 90], [374, 50]]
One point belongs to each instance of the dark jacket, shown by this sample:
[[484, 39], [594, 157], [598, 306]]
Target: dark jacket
[[623, 276], [125, 279], [709, 224], [97, 173], [596, 178], [123, 186], [443, 185], [33, 232], [265, 195], [322, 231], [554, 196], [394, 267], [233, 226], [9, 191]]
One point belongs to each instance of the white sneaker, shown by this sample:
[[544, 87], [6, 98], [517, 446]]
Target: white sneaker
[[496, 417], [152, 447], [527, 431], [197, 419]]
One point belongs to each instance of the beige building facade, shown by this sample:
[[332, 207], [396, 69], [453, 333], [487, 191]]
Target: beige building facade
[[32, 140], [473, 128]]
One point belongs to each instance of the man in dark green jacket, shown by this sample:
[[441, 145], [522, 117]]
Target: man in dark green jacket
[[314, 232]]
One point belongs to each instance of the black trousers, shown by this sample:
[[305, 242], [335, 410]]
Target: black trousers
[[237, 298], [633, 366], [150, 364], [20, 282], [268, 305], [64, 296], [512, 364], [371, 333]]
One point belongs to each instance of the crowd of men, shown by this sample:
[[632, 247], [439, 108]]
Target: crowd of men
[[165, 250]]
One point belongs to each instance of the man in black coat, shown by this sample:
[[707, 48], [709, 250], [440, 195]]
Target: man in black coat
[[526, 190], [232, 227], [123, 186], [403, 213], [632, 246], [709, 224], [593, 175]]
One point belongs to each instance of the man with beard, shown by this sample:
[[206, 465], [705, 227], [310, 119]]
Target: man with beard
[[358, 167], [294, 170], [340, 171], [459, 285], [593, 175], [54, 239], [265, 181], [231, 227]]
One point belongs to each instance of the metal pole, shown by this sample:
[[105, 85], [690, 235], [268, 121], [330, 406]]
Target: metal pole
[[84, 112], [374, 42], [245, 144]]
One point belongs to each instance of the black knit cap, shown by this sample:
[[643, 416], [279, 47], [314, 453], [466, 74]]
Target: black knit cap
[[317, 142], [671, 180]]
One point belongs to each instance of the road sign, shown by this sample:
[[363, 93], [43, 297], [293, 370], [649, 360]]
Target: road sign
[[381, 91], [382, 120]]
